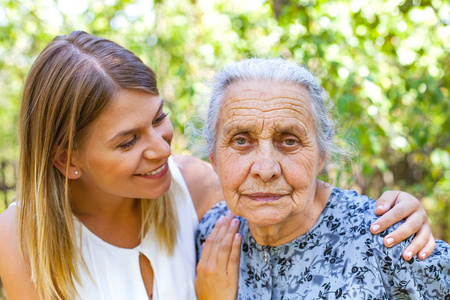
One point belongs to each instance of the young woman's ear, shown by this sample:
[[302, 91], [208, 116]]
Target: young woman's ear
[[74, 172]]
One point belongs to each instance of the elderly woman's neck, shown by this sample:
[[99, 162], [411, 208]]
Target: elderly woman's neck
[[297, 225]]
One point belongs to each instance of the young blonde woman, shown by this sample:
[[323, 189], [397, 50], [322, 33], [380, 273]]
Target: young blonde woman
[[103, 211]]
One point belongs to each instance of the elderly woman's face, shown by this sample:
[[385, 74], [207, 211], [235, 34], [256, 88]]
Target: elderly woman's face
[[267, 156]]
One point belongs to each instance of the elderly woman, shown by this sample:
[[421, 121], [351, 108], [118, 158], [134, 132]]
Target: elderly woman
[[269, 135]]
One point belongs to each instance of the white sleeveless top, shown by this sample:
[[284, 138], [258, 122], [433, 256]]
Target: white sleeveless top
[[114, 272]]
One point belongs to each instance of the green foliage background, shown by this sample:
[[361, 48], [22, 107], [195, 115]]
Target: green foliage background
[[384, 63]]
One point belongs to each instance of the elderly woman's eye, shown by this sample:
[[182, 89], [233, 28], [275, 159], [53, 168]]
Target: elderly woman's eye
[[289, 142], [241, 141]]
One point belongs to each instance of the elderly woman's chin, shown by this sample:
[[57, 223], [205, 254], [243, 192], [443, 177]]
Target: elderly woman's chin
[[265, 217], [268, 213]]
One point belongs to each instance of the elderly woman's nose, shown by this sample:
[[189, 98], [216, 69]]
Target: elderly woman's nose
[[265, 166]]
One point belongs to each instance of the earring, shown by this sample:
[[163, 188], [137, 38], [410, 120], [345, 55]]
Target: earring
[[76, 172]]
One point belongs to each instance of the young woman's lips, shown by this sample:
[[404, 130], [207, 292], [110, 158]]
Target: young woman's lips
[[264, 197], [156, 173]]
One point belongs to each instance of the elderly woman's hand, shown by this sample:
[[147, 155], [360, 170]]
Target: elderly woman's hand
[[395, 206], [218, 267]]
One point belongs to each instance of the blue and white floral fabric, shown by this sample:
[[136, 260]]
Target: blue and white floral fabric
[[337, 259]]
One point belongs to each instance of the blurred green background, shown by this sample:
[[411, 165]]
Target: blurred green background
[[384, 63]]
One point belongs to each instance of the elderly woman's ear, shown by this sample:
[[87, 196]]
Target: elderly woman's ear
[[212, 161], [322, 162]]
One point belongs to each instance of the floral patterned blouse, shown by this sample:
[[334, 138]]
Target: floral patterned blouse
[[337, 259]]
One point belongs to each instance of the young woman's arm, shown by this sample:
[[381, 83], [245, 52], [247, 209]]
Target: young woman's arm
[[218, 268], [202, 182], [395, 206], [14, 271], [205, 191]]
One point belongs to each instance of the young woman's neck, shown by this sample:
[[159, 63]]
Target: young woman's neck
[[116, 220], [95, 203]]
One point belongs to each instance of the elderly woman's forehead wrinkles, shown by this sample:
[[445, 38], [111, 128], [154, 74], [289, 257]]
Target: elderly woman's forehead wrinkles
[[241, 108], [289, 118], [280, 102], [280, 119], [255, 106], [292, 108], [237, 109], [264, 100]]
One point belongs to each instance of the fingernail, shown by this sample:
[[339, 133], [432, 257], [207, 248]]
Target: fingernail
[[423, 255], [234, 222], [380, 207], [409, 255], [390, 241], [237, 240], [376, 227], [220, 220]]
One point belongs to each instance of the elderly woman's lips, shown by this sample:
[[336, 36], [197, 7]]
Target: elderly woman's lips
[[264, 197]]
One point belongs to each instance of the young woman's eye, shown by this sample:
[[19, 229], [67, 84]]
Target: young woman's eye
[[160, 118], [129, 143]]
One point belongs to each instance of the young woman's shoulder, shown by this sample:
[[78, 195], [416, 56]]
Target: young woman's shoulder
[[14, 273], [8, 239], [201, 181]]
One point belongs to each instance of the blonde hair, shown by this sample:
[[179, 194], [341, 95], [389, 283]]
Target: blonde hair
[[69, 85]]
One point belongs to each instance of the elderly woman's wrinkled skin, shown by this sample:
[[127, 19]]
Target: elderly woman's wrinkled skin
[[264, 146], [267, 158]]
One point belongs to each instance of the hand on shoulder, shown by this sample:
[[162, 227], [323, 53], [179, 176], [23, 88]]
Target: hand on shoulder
[[202, 182]]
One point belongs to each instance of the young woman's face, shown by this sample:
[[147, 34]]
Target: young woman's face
[[125, 153]]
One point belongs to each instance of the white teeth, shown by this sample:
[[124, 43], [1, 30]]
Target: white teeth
[[156, 171]]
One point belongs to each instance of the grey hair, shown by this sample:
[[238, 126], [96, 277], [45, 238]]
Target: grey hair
[[276, 70]]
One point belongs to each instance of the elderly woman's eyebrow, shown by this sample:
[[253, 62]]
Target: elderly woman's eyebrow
[[238, 127], [292, 127]]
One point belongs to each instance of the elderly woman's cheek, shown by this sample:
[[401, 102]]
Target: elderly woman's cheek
[[231, 169], [310, 158], [299, 162]]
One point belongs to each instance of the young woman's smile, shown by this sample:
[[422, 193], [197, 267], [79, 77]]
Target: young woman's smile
[[157, 173]]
